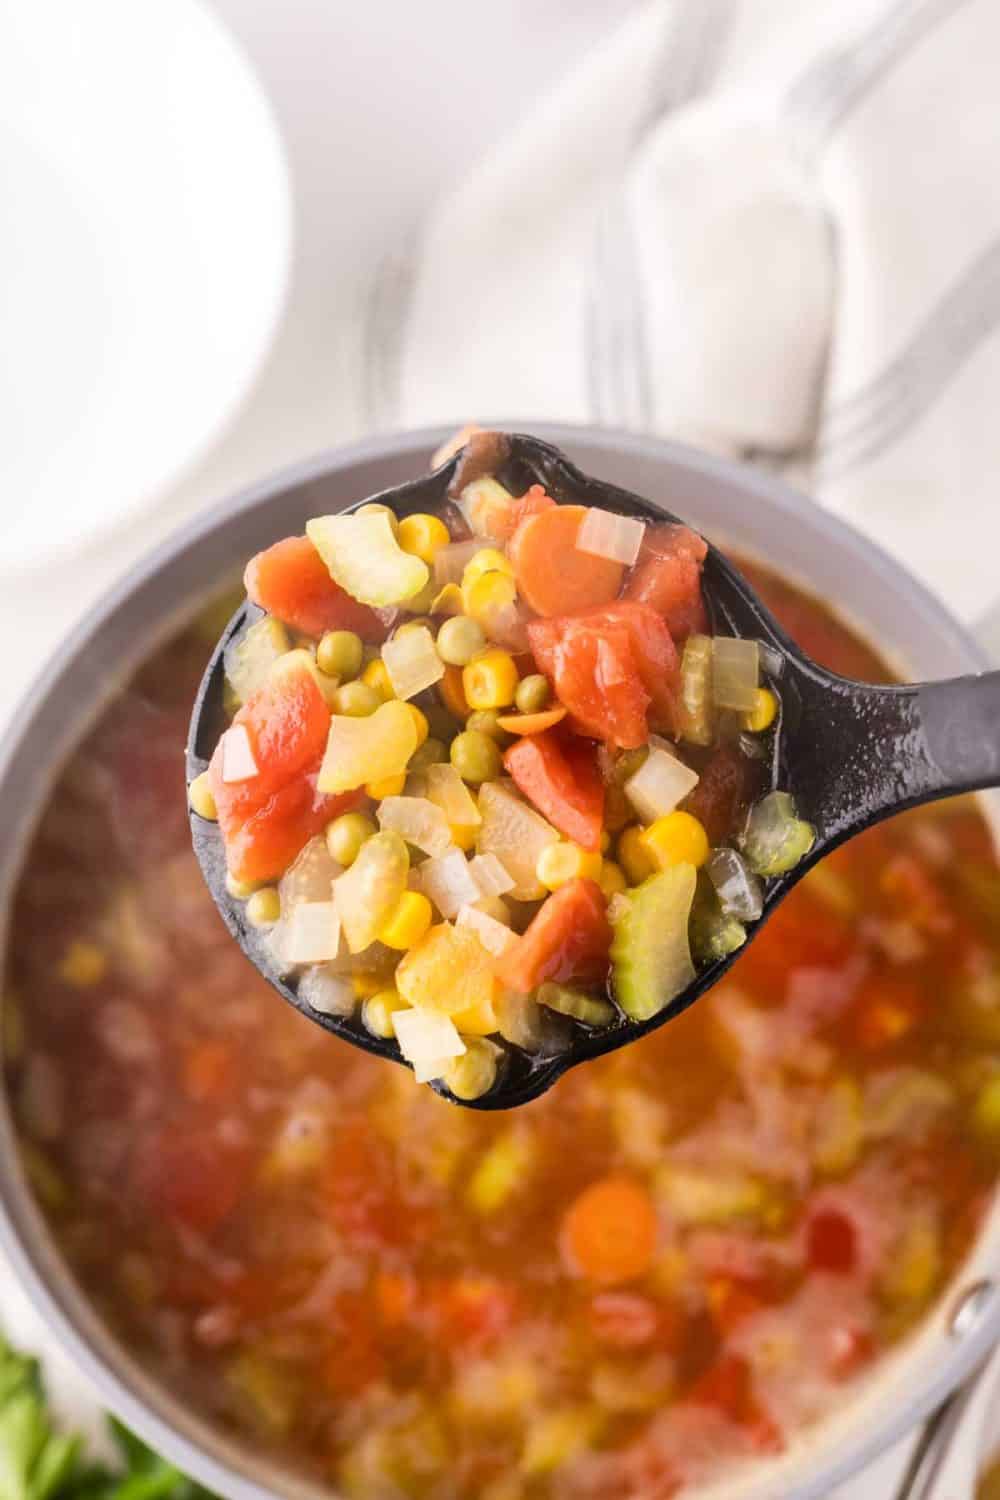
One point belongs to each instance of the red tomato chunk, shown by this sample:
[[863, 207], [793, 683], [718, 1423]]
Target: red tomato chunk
[[563, 782], [292, 582]]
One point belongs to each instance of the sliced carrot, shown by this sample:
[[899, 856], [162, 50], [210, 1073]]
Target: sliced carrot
[[452, 693], [552, 576], [568, 938], [609, 1232], [531, 723]]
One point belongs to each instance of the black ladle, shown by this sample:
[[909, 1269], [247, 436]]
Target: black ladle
[[849, 752]]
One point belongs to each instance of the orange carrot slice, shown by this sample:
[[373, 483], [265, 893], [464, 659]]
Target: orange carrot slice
[[531, 723], [553, 577], [609, 1232]]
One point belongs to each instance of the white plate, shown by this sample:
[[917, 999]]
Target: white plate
[[145, 233]]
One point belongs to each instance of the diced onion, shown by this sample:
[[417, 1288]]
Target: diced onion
[[328, 993], [450, 561], [238, 763], [735, 673], [312, 933], [368, 892], [516, 835], [661, 782], [447, 790], [494, 936], [417, 821], [490, 874], [696, 691], [412, 662], [737, 887], [309, 878], [776, 838], [604, 534], [428, 1040], [447, 881]]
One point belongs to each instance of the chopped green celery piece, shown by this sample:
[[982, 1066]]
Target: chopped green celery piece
[[650, 952], [695, 707], [776, 838], [364, 557], [692, 1195], [359, 751], [735, 673], [249, 660], [714, 933], [366, 894], [575, 1003]]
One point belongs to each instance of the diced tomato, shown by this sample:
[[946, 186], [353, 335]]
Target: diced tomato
[[292, 582], [725, 790], [831, 1243], [261, 844], [355, 1360], [561, 778], [568, 938], [667, 577], [189, 1179], [608, 667]]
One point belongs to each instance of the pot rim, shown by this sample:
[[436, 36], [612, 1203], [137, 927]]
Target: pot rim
[[154, 1413]]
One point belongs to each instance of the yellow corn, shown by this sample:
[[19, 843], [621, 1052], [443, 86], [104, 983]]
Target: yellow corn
[[474, 1073], [366, 985], [486, 560], [612, 879], [84, 964], [389, 786], [564, 861], [264, 907], [376, 675], [201, 799], [449, 601], [676, 839], [420, 722], [422, 536], [378, 1011], [453, 693], [463, 836], [477, 1020], [491, 680], [633, 856], [763, 714], [489, 592], [240, 890], [409, 922]]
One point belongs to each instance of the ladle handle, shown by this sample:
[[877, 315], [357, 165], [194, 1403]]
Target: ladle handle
[[857, 753]]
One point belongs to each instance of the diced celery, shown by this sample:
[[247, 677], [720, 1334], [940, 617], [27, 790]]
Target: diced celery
[[735, 673], [576, 1004], [776, 838], [359, 751], [695, 708], [523, 1022], [651, 953], [516, 834], [714, 934], [364, 557], [737, 887], [249, 659]]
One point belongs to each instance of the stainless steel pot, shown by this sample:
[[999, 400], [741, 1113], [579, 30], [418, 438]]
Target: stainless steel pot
[[741, 507]]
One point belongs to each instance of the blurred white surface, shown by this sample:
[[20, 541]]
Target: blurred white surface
[[143, 260]]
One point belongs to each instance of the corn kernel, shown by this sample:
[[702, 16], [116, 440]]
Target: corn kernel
[[763, 714], [633, 856], [378, 1011], [420, 723], [677, 839], [201, 798], [485, 595], [376, 675], [564, 861], [264, 907], [240, 890], [389, 786], [491, 680], [612, 879], [409, 922], [366, 985], [474, 1073], [422, 536], [453, 693], [486, 560], [463, 836], [84, 964], [477, 1020]]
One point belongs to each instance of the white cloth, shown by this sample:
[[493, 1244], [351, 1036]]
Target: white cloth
[[770, 227]]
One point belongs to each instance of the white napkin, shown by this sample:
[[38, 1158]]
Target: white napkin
[[769, 227]]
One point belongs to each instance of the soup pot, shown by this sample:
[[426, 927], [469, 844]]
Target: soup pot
[[739, 507]]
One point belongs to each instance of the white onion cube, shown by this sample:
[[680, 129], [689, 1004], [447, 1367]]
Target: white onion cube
[[238, 762], [412, 662], [494, 936], [604, 534], [447, 881], [491, 875], [447, 790], [660, 783], [312, 935], [330, 994], [416, 820], [428, 1040]]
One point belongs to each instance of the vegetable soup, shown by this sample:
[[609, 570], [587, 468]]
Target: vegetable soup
[[672, 1263]]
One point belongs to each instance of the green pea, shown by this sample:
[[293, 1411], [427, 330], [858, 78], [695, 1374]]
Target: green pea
[[533, 694], [431, 753], [357, 700], [346, 834], [485, 721], [475, 756], [459, 640], [339, 654]]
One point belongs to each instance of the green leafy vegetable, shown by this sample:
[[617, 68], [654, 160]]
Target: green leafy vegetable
[[39, 1463]]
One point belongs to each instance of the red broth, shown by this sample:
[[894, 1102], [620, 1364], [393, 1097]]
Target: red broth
[[385, 1290]]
